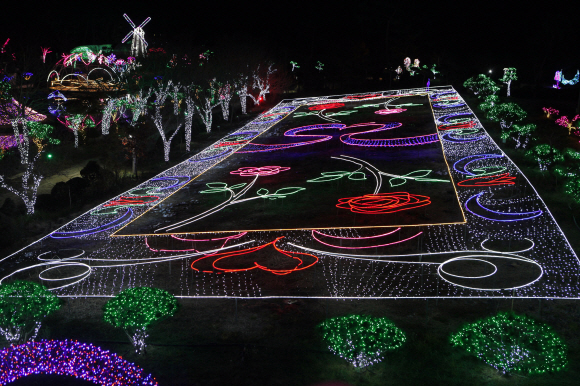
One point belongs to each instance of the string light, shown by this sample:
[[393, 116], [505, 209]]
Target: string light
[[134, 309], [423, 269], [23, 306], [30, 182], [509, 75], [360, 339], [70, 358], [513, 344]]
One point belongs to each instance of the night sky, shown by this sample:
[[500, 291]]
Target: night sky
[[366, 35]]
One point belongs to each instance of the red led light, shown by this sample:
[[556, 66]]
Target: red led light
[[497, 179], [383, 202], [132, 200], [232, 260], [326, 106]]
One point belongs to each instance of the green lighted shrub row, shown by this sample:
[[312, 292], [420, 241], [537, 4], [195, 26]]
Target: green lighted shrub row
[[510, 343]]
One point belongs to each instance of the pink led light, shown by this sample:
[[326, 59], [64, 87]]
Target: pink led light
[[362, 238], [261, 171], [389, 111]]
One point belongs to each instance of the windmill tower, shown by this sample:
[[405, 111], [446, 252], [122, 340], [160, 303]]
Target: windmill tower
[[138, 44]]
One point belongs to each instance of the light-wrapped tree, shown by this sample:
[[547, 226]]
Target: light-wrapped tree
[[513, 344], [360, 339], [134, 309], [23, 306]]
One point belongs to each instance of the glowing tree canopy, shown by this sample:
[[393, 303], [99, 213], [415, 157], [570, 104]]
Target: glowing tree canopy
[[567, 123], [138, 44], [545, 154], [506, 114], [521, 134], [134, 309], [361, 340], [23, 306], [481, 85], [490, 101], [41, 135], [513, 344], [509, 74], [549, 111]]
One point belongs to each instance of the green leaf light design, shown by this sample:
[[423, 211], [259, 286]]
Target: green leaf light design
[[361, 340], [513, 344]]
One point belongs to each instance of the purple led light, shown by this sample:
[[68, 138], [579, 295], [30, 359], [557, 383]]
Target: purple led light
[[85, 232], [445, 118], [172, 178], [394, 142], [256, 147], [500, 216], [314, 232], [452, 137], [9, 141], [70, 358], [470, 159], [443, 105], [436, 96]]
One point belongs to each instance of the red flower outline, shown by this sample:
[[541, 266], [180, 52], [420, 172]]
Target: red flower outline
[[383, 202], [250, 171]]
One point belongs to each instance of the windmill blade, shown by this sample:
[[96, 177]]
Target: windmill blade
[[129, 20], [145, 42], [127, 37], [145, 22]]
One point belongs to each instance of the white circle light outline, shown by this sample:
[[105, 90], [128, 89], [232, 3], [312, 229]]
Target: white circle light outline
[[467, 277], [85, 273], [496, 289], [511, 252]]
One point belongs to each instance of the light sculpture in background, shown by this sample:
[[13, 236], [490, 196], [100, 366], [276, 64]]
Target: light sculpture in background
[[3, 48], [509, 74], [70, 358], [564, 121], [572, 81], [545, 154], [294, 65], [319, 66], [513, 344], [361, 340], [399, 70], [262, 83], [225, 93], [44, 52], [407, 63], [138, 44], [557, 78], [549, 111]]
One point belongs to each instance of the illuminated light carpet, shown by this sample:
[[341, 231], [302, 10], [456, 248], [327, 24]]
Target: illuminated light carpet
[[393, 194]]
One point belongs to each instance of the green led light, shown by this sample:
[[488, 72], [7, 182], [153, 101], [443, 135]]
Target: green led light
[[23, 305], [513, 344], [481, 85], [361, 340], [134, 309]]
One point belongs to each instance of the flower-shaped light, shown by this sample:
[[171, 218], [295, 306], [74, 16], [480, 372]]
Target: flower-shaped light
[[250, 171], [389, 111], [383, 202]]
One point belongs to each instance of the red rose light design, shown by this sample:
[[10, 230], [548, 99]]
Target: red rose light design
[[383, 202], [326, 106], [251, 258], [250, 171]]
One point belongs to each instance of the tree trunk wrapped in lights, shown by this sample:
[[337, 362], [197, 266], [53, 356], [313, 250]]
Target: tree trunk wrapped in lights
[[189, 112], [225, 92], [24, 143], [361, 340], [242, 87], [509, 74], [206, 99], [262, 83], [30, 181], [134, 309], [23, 306], [513, 344]]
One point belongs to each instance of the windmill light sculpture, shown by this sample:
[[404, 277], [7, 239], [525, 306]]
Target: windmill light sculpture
[[138, 45]]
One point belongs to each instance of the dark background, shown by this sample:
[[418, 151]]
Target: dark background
[[362, 37]]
